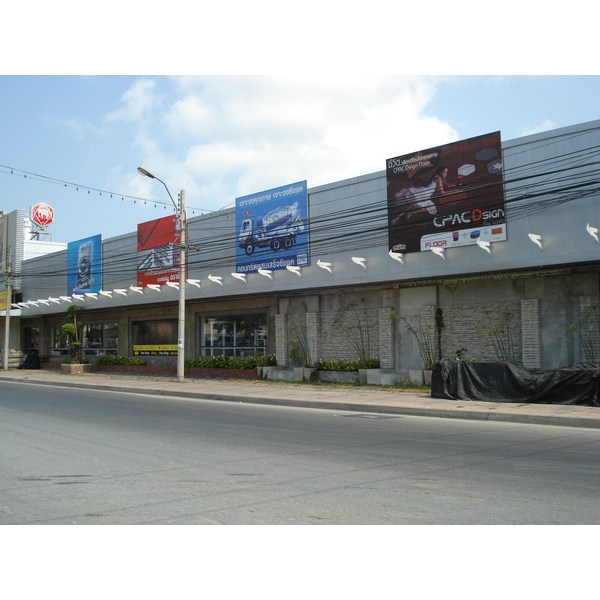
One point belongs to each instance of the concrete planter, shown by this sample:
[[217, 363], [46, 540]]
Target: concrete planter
[[269, 372], [304, 373], [378, 376], [420, 377], [339, 376], [72, 369]]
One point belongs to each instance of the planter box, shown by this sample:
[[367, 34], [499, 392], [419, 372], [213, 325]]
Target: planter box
[[339, 376], [71, 369], [50, 366], [188, 372], [420, 377], [223, 373], [304, 373], [378, 376]]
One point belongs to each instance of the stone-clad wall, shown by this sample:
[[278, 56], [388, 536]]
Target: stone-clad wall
[[467, 326], [531, 327], [339, 328], [329, 335], [589, 328], [281, 340]]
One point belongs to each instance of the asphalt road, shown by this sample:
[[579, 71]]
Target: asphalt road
[[70, 456]]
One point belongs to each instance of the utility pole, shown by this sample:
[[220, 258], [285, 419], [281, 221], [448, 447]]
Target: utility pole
[[182, 275], [8, 275], [183, 248]]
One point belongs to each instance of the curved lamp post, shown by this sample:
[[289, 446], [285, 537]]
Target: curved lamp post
[[180, 210]]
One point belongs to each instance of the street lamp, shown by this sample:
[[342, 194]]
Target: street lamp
[[180, 210]]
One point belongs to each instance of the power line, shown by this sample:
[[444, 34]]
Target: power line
[[556, 180]]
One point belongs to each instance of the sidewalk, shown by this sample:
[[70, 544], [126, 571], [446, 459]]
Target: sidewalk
[[359, 399]]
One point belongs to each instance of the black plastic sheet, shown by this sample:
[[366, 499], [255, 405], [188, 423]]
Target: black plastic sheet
[[32, 361], [500, 381]]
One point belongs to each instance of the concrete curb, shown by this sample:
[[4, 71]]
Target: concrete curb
[[494, 412]]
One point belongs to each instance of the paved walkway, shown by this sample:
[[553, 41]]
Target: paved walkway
[[361, 399]]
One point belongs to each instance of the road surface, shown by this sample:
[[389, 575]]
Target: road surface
[[70, 456]]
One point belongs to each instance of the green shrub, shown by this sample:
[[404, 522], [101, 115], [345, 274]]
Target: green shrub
[[346, 365], [230, 362], [68, 361], [111, 359]]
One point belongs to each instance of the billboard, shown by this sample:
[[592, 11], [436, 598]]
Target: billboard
[[3, 242], [272, 229], [84, 265], [451, 195], [41, 214], [159, 260]]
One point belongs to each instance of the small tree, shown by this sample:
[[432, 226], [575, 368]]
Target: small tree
[[70, 334], [425, 339]]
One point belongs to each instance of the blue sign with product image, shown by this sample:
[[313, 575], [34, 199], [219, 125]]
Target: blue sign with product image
[[272, 229]]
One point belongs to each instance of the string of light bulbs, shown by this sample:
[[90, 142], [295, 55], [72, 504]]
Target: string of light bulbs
[[7, 170]]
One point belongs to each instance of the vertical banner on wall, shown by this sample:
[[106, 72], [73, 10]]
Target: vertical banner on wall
[[3, 243], [159, 261], [84, 265], [272, 229], [452, 195]]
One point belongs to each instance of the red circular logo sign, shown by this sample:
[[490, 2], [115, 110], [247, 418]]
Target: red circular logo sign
[[42, 214]]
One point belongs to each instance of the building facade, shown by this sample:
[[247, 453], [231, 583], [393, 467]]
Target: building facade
[[519, 282]]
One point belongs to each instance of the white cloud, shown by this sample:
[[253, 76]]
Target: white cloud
[[137, 102], [237, 135], [545, 125]]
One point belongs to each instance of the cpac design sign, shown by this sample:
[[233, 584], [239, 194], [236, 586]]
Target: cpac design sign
[[452, 195], [42, 214]]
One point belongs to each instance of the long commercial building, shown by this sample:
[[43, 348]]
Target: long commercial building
[[481, 249]]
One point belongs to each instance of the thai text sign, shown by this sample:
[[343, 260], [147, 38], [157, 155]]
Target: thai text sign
[[272, 229]]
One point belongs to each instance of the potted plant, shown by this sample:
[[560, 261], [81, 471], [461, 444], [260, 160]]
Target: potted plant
[[70, 334]]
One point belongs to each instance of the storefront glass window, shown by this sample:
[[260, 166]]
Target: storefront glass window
[[97, 339], [234, 335], [155, 338]]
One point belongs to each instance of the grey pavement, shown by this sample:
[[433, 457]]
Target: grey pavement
[[364, 399]]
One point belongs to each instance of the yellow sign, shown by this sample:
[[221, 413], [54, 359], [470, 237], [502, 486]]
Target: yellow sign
[[155, 350], [155, 347]]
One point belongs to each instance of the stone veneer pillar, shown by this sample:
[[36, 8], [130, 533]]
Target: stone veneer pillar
[[589, 311], [313, 335], [281, 340], [386, 338], [531, 330]]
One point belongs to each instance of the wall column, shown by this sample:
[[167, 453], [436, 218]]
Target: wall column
[[589, 328], [281, 340], [386, 338], [313, 336], [531, 334]]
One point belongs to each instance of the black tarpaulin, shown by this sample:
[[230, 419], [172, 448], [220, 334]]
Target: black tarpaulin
[[32, 361], [500, 381]]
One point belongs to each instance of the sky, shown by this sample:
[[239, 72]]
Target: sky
[[230, 100], [75, 142]]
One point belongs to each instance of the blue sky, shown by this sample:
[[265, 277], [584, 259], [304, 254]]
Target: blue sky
[[253, 96], [221, 137]]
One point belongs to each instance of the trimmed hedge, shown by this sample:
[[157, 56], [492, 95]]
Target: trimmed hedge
[[230, 362], [110, 359], [346, 365]]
